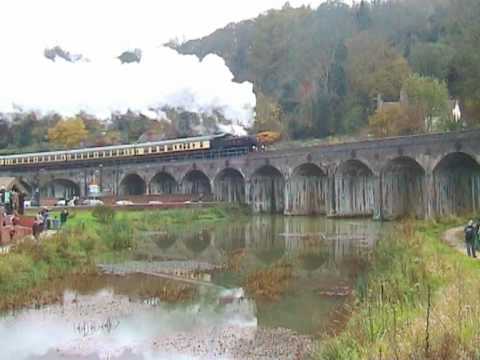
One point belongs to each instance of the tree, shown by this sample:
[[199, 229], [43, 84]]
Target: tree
[[5, 132], [268, 115], [68, 133], [363, 15], [431, 59], [130, 125], [430, 97], [374, 67], [395, 120], [464, 37]]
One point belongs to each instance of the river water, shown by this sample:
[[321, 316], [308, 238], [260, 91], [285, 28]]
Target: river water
[[180, 295]]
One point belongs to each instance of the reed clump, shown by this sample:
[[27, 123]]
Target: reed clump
[[270, 283], [171, 292]]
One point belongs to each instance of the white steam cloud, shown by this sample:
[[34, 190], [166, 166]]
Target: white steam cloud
[[103, 85]]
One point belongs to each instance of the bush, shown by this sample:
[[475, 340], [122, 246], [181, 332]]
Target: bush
[[103, 214], [119, 235]]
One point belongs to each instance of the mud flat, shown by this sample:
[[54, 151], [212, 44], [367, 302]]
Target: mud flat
[[106, 325]]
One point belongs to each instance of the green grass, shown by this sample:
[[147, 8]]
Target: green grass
[[418, 301]]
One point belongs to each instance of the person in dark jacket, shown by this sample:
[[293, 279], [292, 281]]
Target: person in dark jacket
[[470, 237], [64, 217], [21, 203]]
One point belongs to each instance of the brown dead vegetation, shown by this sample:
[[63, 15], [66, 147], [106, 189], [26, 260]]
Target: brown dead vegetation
[[270, 283]]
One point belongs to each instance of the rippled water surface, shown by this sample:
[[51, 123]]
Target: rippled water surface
[[180, 295]]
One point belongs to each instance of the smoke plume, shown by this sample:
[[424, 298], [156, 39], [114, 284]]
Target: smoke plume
[[62, 81]]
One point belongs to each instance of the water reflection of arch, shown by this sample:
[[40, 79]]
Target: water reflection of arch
[[231, 237], [202, 245], [263, 238], [266, 190], [197, 241], [354, 189], [306, 190], [164, 240], [60, 188], [196, 182], [403, 188], [229, 186], [132, 184], [163, 183], [339, 238], [456, 184]]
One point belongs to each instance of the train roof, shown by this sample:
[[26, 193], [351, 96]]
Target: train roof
[[113, 147]]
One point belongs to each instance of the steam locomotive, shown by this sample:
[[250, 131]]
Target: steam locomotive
[[219, 145]]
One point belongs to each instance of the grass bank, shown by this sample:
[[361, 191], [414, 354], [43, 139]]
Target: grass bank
[[420, 300], [88, 238]]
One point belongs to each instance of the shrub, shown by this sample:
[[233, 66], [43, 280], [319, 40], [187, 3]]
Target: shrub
[[103, 214], [119, 235]]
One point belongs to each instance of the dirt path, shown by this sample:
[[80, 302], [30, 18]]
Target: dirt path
[[454, 238]]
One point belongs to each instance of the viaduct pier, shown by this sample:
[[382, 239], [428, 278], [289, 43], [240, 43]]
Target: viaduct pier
[[423, 176]]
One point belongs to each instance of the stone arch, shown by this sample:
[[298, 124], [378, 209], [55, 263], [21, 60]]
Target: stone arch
[[267, 190], [229, 186], [163, 183], [403, 189], [132, 185], [195, 182], [354, 189], [60, 189], [26, 186], [305, 191], [456, 185]]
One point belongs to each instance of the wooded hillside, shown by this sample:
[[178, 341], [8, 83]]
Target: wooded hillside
[[319, 72]]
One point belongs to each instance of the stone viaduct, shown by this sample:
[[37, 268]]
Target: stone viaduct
[[420, 176]]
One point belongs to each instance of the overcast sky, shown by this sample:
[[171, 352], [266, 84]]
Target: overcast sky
[[105, 25], [101, 30]]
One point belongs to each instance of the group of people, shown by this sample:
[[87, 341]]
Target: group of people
[[12, 200], [472, 238], [44, 222]]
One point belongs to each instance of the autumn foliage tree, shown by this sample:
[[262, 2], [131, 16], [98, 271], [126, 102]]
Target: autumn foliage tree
[[396, 120], [68, 133]]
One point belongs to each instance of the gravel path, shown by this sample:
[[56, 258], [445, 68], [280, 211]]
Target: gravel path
[[454, 238]]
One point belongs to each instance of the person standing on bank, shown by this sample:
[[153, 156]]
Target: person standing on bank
[[63, 217], [470, 236]]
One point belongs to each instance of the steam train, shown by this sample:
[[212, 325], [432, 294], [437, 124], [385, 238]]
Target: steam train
[[202, 145]]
